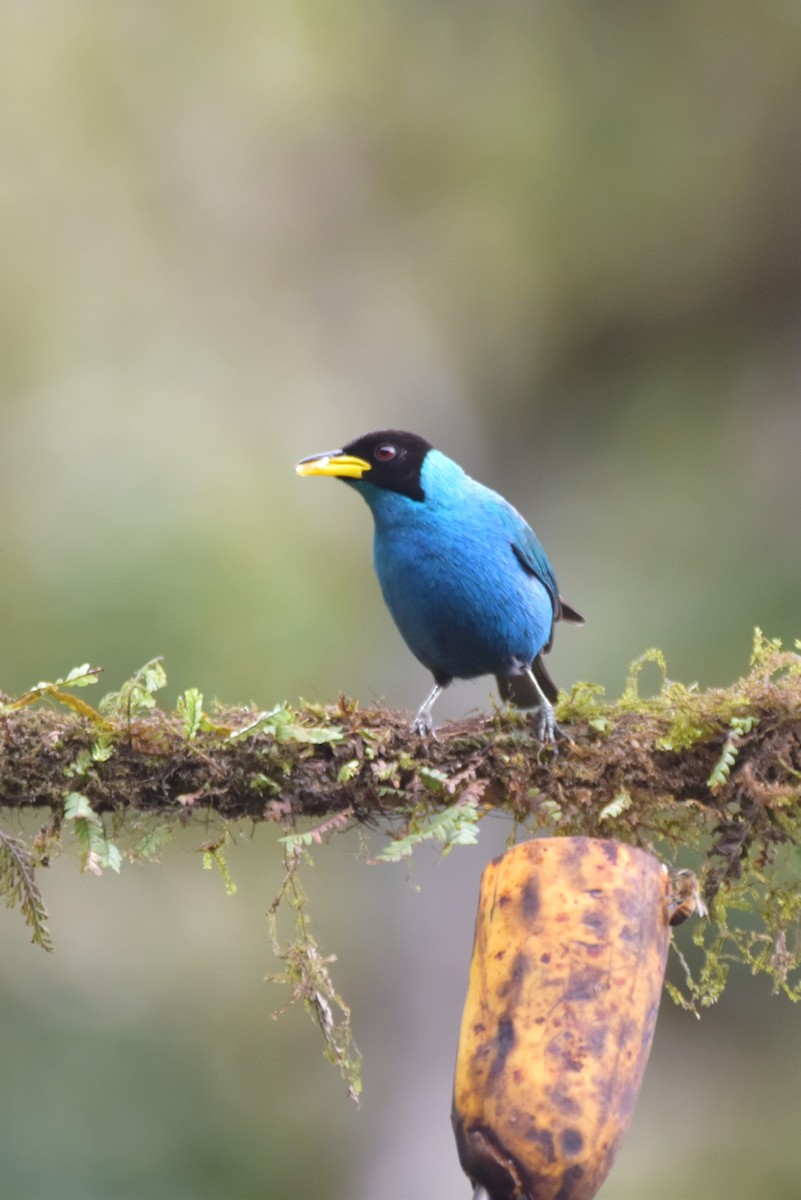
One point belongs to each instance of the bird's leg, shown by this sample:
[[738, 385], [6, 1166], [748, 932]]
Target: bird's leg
[[423, 722], [546, 725]]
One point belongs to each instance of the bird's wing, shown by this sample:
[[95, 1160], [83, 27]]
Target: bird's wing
[[534, 560]]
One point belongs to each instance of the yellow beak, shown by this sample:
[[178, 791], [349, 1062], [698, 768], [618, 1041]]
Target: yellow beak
[[345, 466]]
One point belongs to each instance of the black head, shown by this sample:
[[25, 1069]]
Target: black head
[[388, 459], [396, 460]]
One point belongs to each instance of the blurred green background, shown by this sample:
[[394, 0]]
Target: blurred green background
[[563, 242]]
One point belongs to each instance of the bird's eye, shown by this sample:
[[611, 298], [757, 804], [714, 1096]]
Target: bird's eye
[[386, 452]]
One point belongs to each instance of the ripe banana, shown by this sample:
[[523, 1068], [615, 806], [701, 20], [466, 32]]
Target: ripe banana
[[568, 961]]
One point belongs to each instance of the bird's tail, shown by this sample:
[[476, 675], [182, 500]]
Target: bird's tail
[[566, 613], [519, 690]]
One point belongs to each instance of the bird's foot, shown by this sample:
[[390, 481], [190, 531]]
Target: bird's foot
[[548, 730], [546, 722], [423, 723]]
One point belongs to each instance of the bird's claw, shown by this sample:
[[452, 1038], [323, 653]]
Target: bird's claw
[[546, 722], [548, 730], [423, 725]]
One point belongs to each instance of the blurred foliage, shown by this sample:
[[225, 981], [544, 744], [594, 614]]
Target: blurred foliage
[[562, 242]]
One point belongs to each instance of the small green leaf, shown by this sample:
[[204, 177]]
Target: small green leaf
[[281, 722], [153, 841], [599, 724], [190, 707], [348, 770], [296, 841], [616, 807], [552, 809], [102, 748], [263, 783], [96, 852], [432, 779], [386, 771], [80, 765], [722, 768], [136, 694], [113, 858], [728, 757], [743, 725], [453, 826], [80, 676], [152, 675], [78, 808]]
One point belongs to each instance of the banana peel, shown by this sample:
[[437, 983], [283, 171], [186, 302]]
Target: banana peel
[[566, 976]]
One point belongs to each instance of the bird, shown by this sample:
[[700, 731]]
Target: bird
[[464, 577]]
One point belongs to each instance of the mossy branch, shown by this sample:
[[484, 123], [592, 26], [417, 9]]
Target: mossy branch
[[717, 773], [674, 765]]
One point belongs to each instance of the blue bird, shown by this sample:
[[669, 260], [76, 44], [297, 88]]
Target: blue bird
[[463, 575]]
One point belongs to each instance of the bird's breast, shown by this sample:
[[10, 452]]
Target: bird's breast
[[461, 600]]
